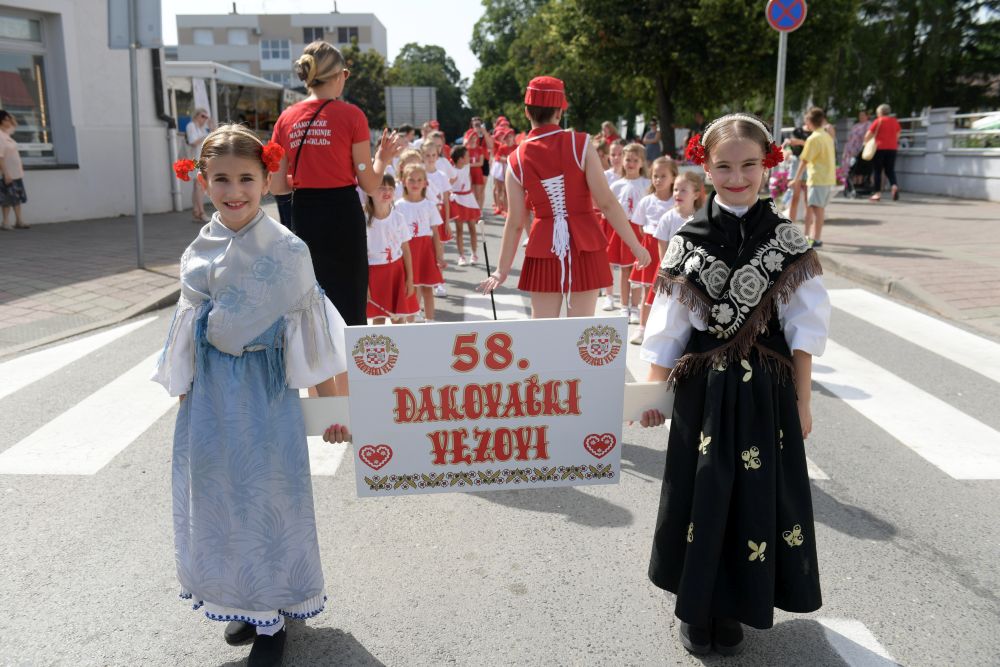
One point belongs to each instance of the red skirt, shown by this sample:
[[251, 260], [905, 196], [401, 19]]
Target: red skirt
[[444, 230], [590, 271], [647, 276], [606, 227], [476, 174], [425, 269], [461, 213], [618, 252], [387, 284]]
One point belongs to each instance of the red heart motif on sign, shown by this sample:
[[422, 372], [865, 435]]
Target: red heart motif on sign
[[375, 456], [599, 445]]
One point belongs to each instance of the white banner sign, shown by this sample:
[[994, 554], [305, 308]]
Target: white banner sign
[[477, 406]]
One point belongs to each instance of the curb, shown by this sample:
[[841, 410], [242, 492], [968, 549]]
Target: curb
[[900, 288], [159, 299]]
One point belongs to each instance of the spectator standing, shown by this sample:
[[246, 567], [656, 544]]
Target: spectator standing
[[886, 131], [855, 138], [196, 131], [12, 193], [651, 140], [608, 132], [819, 156]]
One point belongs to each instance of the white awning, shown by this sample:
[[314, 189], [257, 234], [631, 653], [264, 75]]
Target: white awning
[[179, 74]]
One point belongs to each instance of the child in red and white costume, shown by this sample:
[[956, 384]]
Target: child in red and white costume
[[629, 189], [503, 147], [421, 215], [464, 207], [651, 208], [391, 293], [477, 157], [561, 174]]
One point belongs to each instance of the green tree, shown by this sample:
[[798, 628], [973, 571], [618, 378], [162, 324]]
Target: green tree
[[430, 65], [366, 86]]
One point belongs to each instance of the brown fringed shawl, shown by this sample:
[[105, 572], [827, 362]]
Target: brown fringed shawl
[[731, 271]]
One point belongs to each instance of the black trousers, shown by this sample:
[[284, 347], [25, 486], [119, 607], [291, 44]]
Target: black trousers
[[332, 223], [884, 159]]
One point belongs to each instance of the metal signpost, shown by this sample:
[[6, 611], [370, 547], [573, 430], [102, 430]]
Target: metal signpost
[[133, 25], [784, 16]]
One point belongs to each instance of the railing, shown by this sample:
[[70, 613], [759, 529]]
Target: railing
[[976, 132], [913, 136]]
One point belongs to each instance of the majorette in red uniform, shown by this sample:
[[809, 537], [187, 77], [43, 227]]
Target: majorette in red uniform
[[566, 250]]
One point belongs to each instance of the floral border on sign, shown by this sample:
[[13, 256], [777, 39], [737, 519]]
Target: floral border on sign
[[487, 478]]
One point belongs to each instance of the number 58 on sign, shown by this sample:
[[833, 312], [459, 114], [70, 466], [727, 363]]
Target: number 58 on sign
[[476, 406]]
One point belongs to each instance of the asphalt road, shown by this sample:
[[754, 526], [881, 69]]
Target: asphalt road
[[906, 527]]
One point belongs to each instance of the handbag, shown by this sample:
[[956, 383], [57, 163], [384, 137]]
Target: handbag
[[868, 152]]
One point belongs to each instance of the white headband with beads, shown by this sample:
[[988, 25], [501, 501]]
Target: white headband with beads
[[738, 116]]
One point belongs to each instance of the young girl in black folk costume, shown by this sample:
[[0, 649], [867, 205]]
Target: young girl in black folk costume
[[741, 310]]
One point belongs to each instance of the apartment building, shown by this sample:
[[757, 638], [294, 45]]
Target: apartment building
[[266, 44]]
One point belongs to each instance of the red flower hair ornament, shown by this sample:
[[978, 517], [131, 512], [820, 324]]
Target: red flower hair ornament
[[183, 169], [774, 157], [271, 156], [695, 151]]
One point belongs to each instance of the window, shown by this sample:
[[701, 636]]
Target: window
[[241, 66], [203, 37], [346, 34], [310, 35], [284, 78], [275, 49], [237, 36], [23, 86]]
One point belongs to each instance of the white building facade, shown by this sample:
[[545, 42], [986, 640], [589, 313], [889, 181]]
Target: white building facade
[[70, 94], [265, 45]]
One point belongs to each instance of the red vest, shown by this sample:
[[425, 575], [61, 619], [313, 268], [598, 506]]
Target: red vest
[[547, 153]]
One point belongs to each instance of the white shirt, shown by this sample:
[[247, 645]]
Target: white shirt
[[195, 136], [437, 186], [463, 184], [447, 168], [649, 211], [386, 237], [668, 224], [628, 192], [610, 176], [419, 216]]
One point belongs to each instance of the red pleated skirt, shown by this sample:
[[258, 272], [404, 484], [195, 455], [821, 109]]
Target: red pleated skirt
[[461, 213], [476, 174], [618, 252], [590, 271], [647, 276], [387, 285], [425, 269], [444, 230]]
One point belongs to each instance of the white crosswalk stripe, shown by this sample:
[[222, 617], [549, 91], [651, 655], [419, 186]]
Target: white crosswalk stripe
[[22, 371], [855, 643]]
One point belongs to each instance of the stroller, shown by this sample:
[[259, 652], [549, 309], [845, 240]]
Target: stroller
[[860, 181]]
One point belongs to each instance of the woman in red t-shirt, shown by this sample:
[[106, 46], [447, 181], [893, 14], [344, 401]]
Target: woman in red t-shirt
[[559, 171], [328, 154], [886, 131]]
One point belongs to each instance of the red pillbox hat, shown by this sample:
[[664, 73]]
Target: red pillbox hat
[[546, 91]]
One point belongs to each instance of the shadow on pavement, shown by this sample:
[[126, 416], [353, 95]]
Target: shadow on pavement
[[886, 251], [307, 645], [852, 222], [849, 519], [578, 507]]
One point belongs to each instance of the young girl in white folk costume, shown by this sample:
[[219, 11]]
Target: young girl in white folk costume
[[629, 190], [390, 269], [647, 215], [251, 326], [426, 250], [740, 313]]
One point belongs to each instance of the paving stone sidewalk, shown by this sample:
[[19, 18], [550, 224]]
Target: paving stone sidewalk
[[58, 280], [937, 253]]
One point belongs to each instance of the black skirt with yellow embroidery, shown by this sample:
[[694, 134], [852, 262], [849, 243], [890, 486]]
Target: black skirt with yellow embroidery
[[734, 537]]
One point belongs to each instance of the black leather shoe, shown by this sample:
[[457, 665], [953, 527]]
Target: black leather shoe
[[727, 636], [238, 632], [267, 650], [695, 639]]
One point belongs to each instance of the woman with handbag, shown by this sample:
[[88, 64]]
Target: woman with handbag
[[328, 155], [884, 132]]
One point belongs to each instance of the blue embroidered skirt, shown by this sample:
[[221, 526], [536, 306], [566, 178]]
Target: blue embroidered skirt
[[244, 525]]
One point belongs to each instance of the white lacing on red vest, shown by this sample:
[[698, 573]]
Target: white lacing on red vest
[[555, 190]]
